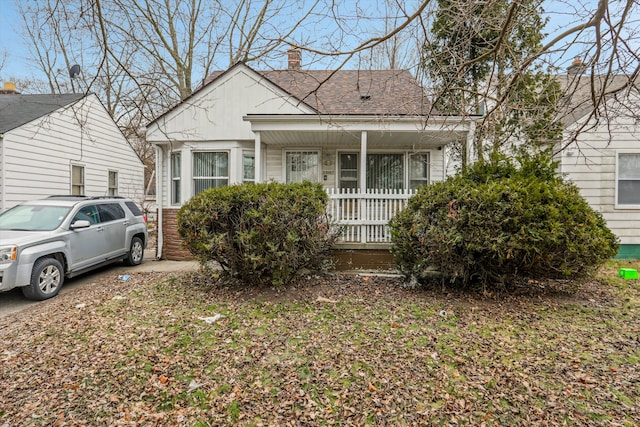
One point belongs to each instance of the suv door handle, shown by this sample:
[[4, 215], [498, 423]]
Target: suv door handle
[[100, 229]]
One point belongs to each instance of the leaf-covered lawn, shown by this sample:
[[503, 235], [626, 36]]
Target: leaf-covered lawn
[[341, 350]]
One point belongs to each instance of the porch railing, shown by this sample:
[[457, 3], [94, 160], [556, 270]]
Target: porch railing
[[365, 216]]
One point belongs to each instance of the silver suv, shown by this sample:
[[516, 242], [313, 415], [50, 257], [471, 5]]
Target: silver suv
[[44, 241]]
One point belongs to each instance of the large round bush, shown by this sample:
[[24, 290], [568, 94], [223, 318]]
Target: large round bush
[[497, 223], [260, 234]]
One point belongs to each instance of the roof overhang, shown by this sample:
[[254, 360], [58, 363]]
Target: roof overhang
[[345, 130]]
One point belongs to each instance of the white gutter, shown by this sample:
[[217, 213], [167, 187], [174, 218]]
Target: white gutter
[[159, 201]]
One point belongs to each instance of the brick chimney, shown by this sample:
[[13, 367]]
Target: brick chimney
[[576, 67], [9, 89], [295, 58]]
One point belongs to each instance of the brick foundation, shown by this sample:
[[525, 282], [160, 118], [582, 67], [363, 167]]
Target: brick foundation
[[367, 257], [172, 248]]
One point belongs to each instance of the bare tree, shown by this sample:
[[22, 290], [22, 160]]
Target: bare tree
[[603, 34], [402, 50], [3, 59], [141, 56]]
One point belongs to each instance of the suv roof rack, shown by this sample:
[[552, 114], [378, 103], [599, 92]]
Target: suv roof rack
[[67, 196], [80, 197], [105, 197]]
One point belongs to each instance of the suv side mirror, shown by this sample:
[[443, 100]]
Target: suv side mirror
[[81, 223]]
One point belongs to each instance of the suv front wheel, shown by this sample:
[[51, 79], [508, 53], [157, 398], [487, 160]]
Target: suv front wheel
[[136, 252], [46, 279]]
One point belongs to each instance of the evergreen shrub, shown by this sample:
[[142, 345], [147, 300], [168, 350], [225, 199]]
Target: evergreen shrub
[[500, 222], [260, 234]]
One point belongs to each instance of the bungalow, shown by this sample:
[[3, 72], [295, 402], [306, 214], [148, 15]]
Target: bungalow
[[63, 144], [368, 136]]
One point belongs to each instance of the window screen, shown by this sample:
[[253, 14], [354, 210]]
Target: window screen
[[628, 179]]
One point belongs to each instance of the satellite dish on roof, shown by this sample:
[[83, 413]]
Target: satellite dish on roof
[[74, 71]]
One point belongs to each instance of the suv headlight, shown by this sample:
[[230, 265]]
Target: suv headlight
[[8, 254]]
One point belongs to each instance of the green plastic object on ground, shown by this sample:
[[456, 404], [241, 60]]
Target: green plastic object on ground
[[628, 273]]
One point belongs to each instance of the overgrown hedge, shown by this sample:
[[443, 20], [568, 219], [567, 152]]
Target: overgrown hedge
[[260, 234], [498, 223]]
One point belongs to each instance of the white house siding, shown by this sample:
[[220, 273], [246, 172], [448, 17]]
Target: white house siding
[[207, 117], [274, 163], [591, 165], [205, 121], [39, 155]]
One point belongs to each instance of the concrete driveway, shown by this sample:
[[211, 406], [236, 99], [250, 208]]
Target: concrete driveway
[[13, 301]]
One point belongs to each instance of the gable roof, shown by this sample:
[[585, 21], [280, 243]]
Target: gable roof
[[580, 89], [375, 92], [17, 110]]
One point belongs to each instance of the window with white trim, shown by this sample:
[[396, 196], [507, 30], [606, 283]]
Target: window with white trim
[[77, 180], [175, 178], [113, 183], [248, 167], [210, 170], [302, 166], [418, 170], [348, 171], [385, 171], [628, 179]]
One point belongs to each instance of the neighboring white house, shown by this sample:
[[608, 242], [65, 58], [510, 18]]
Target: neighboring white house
[[368, 136], [63, 144], [602, 156]]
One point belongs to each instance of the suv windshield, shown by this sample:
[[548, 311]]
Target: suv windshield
[[33, 217]]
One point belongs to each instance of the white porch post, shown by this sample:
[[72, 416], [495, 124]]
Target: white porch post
[[362, 207], [186, 181], [258, 158], [363, 162], [470, 149]]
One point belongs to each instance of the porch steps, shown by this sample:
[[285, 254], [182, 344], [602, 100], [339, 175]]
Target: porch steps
[[363, 258]]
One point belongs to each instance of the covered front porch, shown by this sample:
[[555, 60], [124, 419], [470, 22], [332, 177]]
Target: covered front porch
[[369, 166]]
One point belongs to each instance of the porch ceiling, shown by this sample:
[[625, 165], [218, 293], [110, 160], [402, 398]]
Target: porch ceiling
[[342, 138], [342, 131]]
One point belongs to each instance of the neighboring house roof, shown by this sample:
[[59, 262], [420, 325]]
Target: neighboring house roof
[[17, 110], [342, 92], [581, 89]]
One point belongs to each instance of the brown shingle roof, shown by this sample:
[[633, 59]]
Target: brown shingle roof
[[376, 92]]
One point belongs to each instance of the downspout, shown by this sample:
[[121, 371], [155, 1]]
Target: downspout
[[3, 176], [159, 201]]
